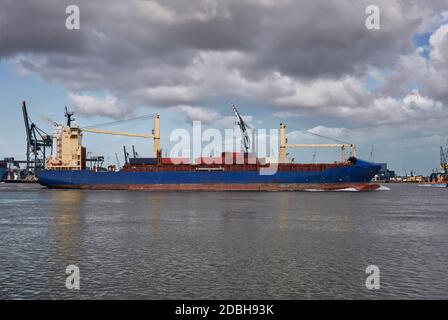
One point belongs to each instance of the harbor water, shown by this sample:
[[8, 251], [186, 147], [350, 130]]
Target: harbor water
[[223, 245]]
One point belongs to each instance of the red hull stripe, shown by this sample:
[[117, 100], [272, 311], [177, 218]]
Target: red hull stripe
[[226, 187]]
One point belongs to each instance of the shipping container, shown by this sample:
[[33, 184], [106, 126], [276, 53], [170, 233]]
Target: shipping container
[[209, 160], [138, 161], [239, 158]]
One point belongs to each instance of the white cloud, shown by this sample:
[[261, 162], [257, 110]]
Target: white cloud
[[208, 116], [324, 93], [415, 102], [288, 114], [88, 105], [381, 110], [439, 46], [338, 133], [154, 11], [195, 113], [414, 70], [166, 94]]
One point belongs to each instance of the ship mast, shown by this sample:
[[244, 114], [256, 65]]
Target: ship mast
[[69, 116]]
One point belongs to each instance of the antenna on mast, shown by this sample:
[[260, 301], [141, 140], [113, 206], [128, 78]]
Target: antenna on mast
[[69, 116]]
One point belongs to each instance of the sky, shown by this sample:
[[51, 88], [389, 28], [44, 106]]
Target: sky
[[310, 64]]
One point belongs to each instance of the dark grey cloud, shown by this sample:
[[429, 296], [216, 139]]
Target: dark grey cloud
[[292, 54], [37, 27]]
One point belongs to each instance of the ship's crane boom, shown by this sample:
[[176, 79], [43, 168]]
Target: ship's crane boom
[[155, 133], [284, 145], [320, 145], [245, 143], [343, 147], [116, 133]]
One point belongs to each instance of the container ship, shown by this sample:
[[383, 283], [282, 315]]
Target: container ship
[[237, 171]]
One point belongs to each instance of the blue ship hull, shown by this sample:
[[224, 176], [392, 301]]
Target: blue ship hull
[[2, 173], [357, 176]]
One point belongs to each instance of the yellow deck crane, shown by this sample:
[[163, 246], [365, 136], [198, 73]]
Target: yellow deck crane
[[68, 152], [155, 134], [283, 145]]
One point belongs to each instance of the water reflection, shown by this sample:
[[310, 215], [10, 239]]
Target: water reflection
[[67, 211], [284, 202]]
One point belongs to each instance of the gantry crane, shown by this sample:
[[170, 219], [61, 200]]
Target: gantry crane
[[37, 142]]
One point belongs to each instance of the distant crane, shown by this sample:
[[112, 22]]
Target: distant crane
[[314, 156], [371, 153], [444, 157], [245, 142]]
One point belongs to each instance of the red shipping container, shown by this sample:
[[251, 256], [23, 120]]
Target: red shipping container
[[209, 160]]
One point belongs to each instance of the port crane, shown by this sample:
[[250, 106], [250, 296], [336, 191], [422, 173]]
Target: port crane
[[444, 157], [283, 145], [37, 143], [245, 142]]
